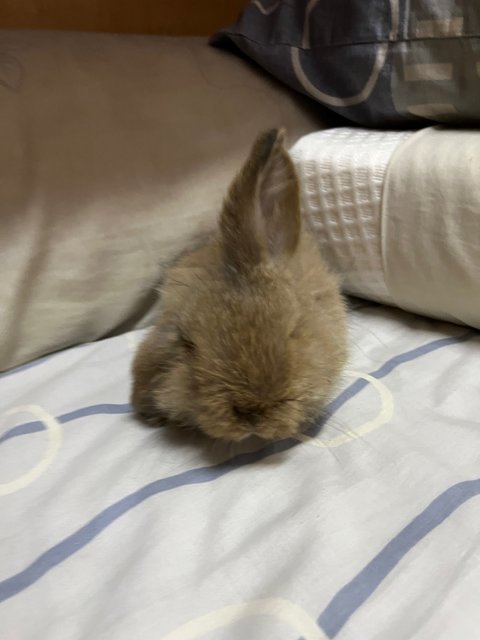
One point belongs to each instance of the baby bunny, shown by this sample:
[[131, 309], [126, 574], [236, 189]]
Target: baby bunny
[[252, 333]]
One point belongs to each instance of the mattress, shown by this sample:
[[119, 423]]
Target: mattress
[[366, 527]]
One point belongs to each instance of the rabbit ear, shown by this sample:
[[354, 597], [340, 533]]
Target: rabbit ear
[[261, 214]]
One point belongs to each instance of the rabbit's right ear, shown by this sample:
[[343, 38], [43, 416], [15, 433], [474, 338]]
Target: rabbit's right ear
[[261, 217]]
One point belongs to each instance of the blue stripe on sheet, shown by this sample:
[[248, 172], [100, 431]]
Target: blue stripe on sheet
[[351, 391], [96, 409], [354, 594], [67, 547], [383, 371]]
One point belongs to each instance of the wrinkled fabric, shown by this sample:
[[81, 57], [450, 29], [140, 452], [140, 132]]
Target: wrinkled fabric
[[366, 529], [114, 150]]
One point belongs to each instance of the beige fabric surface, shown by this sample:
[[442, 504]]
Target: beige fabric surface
[[431, 225], [112, 150]]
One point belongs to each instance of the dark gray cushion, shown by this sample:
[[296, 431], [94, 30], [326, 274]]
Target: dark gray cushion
[[376, 62]]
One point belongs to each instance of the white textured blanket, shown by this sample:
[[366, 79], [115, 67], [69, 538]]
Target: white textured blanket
[[398, 215]]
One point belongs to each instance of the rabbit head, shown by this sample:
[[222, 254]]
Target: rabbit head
[[251, 337]]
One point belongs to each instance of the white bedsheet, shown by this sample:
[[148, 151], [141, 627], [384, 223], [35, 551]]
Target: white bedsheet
[[367, 530]]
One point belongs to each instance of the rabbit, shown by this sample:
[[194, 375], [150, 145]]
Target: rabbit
[[252, 333]]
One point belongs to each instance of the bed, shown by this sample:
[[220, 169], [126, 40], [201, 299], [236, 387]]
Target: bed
[[367, 528]]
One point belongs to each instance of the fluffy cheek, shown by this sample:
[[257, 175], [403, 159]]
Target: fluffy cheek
[[215, 417], [186, 402], [175, 396]]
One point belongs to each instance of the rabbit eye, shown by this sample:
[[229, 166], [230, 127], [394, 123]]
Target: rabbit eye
[[295, 332], [187, 344]]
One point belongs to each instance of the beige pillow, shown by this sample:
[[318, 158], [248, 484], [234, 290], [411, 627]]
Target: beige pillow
[[113, 149]]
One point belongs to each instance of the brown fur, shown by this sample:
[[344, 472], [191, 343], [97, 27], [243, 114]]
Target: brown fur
[[251, 337]]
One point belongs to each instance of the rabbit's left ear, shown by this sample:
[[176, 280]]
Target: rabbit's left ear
[[261, 215]]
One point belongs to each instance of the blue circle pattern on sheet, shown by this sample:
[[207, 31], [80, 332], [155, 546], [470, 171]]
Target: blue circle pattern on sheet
[[52, 425]]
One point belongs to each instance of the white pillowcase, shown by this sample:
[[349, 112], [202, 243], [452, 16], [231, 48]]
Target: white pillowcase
[[398, 215]]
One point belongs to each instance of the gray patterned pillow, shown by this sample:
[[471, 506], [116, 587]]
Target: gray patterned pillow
[[376, 62]]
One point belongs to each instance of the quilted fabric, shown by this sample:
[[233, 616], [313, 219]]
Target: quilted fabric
[[397, 214], [342, 175]]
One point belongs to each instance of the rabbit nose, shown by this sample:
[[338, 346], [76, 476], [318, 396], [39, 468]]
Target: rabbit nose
[[250, 415]]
